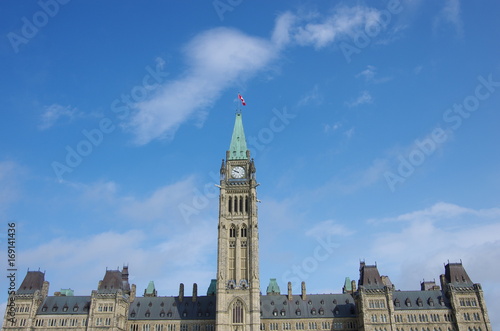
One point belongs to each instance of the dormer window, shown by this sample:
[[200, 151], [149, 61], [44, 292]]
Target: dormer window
[[408, 302]]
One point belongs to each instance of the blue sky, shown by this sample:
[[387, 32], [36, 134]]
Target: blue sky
[[373, 124]]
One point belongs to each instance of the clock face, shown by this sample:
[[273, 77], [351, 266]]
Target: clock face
[[238, 172]]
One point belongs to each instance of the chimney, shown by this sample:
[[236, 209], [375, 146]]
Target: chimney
[[290, 291], [304, 296], [353, 285], [132, 293], [195, 292], [442, 279], [181, 292]]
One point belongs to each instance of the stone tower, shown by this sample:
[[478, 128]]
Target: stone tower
[[238, 285]]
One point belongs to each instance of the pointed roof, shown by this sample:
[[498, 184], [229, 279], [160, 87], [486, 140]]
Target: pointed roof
[[238, 147], [369, 276], [273, 287], [113, 281], [150, 291], [455, 274], [347, 285], [32, 282], [212, 288]]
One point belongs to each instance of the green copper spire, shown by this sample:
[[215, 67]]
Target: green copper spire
[[273, 287], [238, 147]]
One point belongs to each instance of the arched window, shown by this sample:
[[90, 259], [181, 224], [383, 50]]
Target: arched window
[[237, 313], [232, 231], [244, 231]]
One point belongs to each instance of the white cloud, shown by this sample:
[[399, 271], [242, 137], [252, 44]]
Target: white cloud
[[319, 30], [216, 59], [327, 128], [79, 263], [281, 33], [311, 97], [220, 57], [416, 248], [328, 228], [369, 75], [55, 112], [163, 203], [364, 98], [451, 15], [442, 210]]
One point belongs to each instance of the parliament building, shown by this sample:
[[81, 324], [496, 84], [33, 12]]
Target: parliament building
[[234, 300]]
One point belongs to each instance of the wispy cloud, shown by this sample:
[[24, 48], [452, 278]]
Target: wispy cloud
[[313, 29], [311, 97], [65, 257], [370, 75], [220, 57], [55, 113], [364, 98], [450, 14], [328, 228], [442, 211], [418, 246], [216, 59]]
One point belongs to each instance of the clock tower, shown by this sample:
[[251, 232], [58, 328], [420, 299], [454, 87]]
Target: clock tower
[[238, 286]]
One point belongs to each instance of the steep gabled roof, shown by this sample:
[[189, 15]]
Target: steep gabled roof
[[456, 275], [369, 277], [32, 282], [113, 281]]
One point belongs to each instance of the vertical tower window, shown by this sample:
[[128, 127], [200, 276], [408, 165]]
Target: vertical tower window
[[237, 313], [241, 205], [230, 205], [246, 204], [232, 232], [243, 231]]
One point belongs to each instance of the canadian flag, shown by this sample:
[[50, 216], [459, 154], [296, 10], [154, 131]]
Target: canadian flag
[[242, 100]]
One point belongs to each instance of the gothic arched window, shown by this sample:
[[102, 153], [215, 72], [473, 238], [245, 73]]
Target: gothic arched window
[[237, 313]]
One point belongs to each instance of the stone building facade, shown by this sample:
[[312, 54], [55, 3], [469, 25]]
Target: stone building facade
[[234, 302]]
